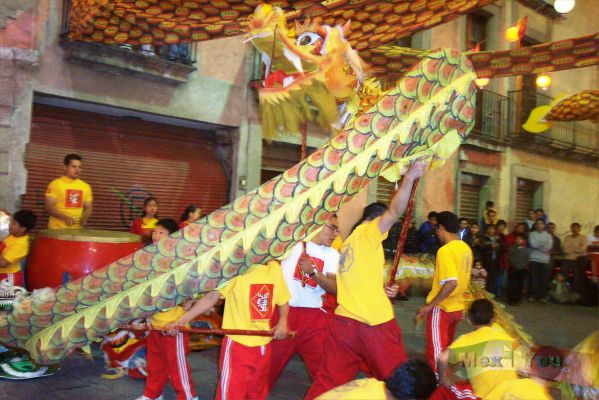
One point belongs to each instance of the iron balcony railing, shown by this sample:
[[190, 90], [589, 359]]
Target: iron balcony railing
[[499, 120], [575, 141], [184, 53], [491, 123]]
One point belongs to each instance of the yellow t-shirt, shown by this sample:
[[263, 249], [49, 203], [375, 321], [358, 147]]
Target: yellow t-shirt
[[70, 195], [13, 249], [337, 243], [361, 279], [454, 262], [487, 219], [250, 299], [488, 356], [148, 223], [519, 389], [162, 318], [359, 389]]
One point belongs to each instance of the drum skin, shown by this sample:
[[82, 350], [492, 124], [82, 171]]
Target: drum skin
[[69, 254]]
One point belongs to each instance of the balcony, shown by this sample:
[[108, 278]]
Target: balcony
[[170, 64], [499, 122], [572, 141], [490, 122]]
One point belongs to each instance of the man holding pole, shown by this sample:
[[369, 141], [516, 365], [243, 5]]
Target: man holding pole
[[363, 329], [445, 302], [250, 300], [309, 272]]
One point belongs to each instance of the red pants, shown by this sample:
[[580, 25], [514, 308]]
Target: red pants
[[349, 344], [15, 279], [167, 361], [594, 263], [457, 391], [309, 325], [243, 371], [440, 330]]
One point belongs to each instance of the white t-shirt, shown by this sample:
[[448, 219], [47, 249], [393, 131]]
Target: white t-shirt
[[592, 240], [326, 259]]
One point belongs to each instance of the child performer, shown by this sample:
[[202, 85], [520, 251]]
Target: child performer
[[16, 246], [249, 304], [166, 350]]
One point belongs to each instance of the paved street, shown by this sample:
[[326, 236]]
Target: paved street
[[549, 324]]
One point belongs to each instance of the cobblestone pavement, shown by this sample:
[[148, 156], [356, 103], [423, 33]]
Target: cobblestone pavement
[[79, 378]]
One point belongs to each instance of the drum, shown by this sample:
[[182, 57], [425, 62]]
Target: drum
[[63, 255]]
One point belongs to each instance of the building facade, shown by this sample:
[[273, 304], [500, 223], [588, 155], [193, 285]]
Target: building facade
[[187, 130], [556, 170]]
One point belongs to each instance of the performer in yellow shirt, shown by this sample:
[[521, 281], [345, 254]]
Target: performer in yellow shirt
[[68, 198], [16, 246], [412, 380], [166, 351], [445, 302], [519, 389], [249, 304], [363, 329], [489, 356]]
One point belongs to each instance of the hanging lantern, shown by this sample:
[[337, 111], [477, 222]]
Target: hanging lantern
[[481, 82], [564, 6], [543, 81], [512, 34]]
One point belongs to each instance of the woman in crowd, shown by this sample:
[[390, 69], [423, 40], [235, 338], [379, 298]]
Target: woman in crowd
[[144, 225]]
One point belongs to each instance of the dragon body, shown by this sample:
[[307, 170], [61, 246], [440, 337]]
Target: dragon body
[[427, 115]]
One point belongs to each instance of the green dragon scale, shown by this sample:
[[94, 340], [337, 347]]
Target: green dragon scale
[[428, 114]]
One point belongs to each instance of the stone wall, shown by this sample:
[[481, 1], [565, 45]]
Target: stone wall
[[16, 66], [33, 61]]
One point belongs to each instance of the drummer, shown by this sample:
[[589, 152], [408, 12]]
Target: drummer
[[68, 198]]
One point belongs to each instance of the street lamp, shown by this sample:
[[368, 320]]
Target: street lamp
[[481, 82], [564, 6], [543, 81], [512, 34]]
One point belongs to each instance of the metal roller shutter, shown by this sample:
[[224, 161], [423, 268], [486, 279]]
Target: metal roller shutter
[[124, 160], [524, 198], [470, 187]]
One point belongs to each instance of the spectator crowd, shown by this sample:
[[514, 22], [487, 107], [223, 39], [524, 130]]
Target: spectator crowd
[[530, 261]]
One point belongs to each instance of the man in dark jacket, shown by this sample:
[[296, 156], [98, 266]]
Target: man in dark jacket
[[427, 236]]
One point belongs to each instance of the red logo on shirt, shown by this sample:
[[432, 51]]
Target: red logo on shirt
[[261, 301], [297, 274], [74, 198], [2, 247]]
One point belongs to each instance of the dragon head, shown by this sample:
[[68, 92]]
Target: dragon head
[[310, 70]]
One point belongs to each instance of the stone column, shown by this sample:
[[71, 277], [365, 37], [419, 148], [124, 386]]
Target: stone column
[[16, 91]]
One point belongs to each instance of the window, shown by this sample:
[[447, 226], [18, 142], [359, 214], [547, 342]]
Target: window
[[405, 41], [476, 36], [258, 67], [278, 157], [528, 86], [470, 188], [476, 30], [180, 53], [527, 197]]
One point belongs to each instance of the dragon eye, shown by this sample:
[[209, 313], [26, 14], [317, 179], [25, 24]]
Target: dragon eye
[[308, 38]]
